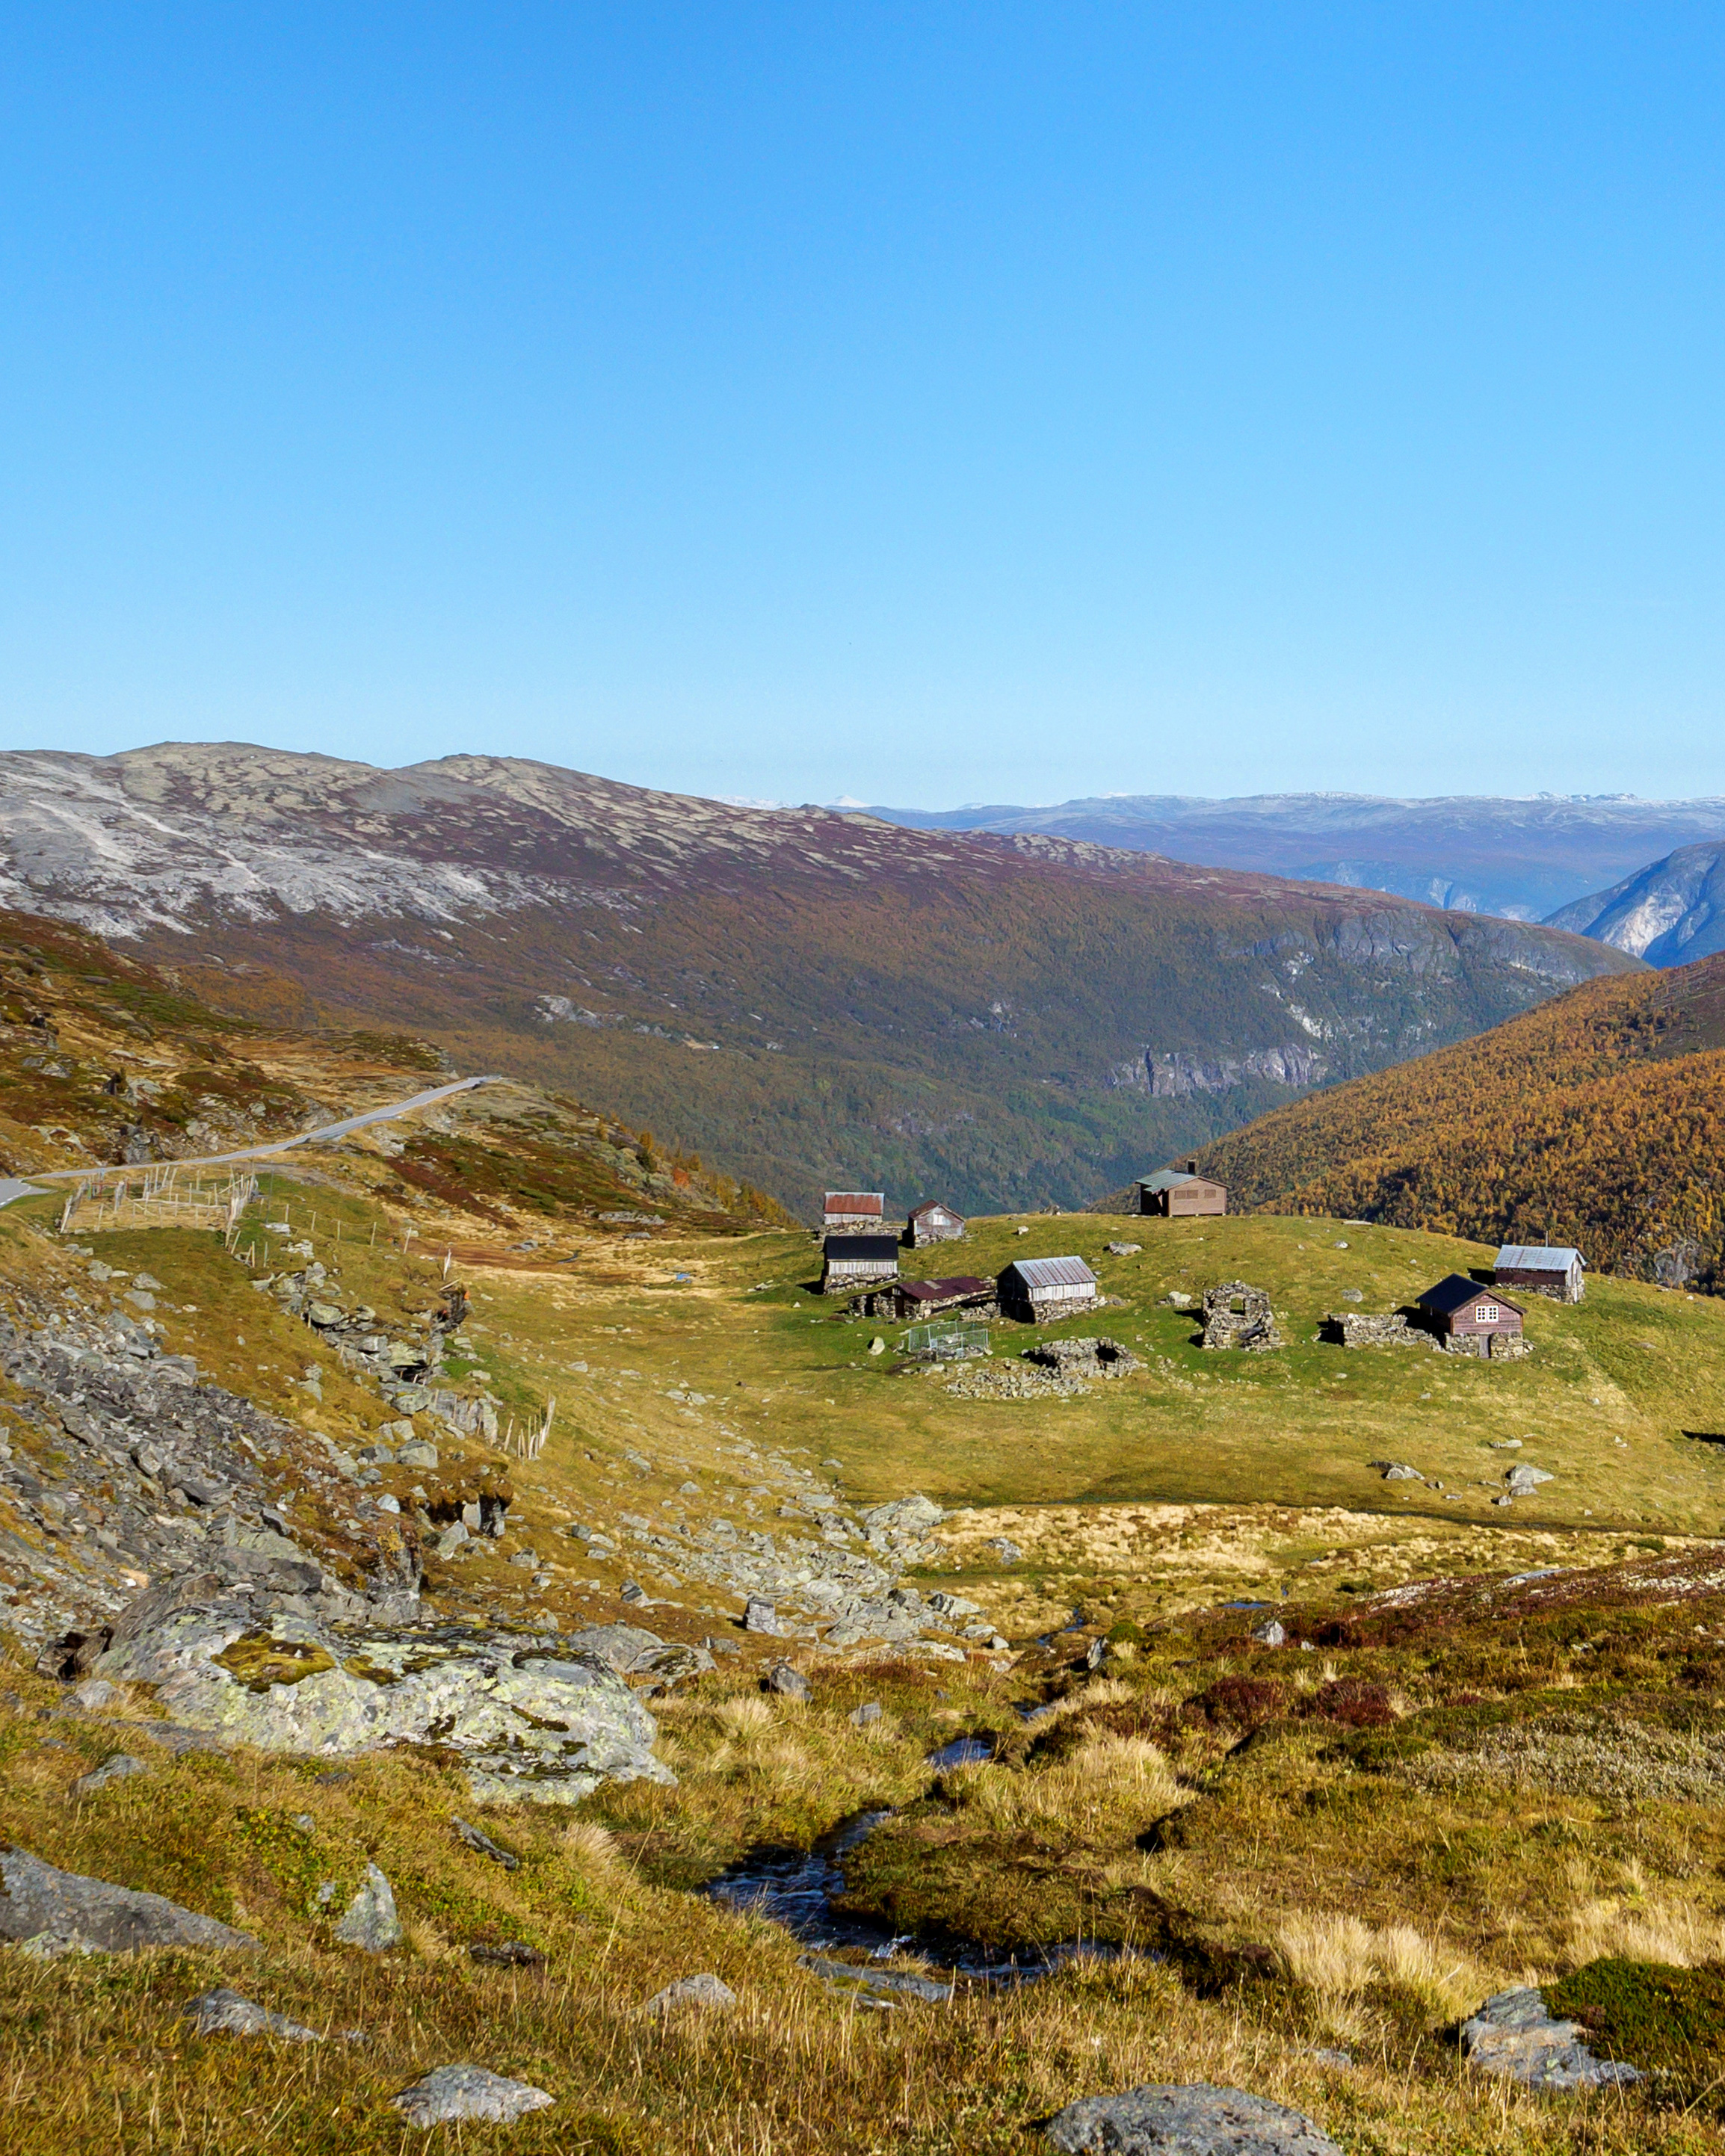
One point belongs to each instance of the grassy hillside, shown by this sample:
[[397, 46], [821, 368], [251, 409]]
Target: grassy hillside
[[1597, 1120], [1460, 1786], [103, 1059]]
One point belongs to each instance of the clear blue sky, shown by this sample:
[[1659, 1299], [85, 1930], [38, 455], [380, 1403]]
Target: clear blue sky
[[920, 403]]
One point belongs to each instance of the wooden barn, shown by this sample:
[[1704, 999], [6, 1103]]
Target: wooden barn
[[854, 1262], [1553, 1270], [933, 1223], [934, 1298], [1461, 1309], [1177, 1194], [854, 1212], [1035, 1290]]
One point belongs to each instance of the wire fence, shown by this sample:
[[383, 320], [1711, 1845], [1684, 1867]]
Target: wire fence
[[946, 1343], [161, 1195]]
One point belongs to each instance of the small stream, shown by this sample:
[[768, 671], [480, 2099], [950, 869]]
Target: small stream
[[798, 1887]]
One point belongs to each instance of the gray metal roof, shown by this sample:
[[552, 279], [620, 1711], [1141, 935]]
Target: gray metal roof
[[1166, 1179], [1053, 1272], [1539, 1257]]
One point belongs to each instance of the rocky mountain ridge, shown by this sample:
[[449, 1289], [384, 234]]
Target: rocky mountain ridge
[[1669, 913], [1520, 858], [807, 995]]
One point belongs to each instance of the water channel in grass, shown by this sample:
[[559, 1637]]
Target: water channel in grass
[[799, 1888]]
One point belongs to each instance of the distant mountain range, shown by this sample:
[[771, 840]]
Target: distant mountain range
[[1597, 1120], [1470, 854], [1668, 913], [807, 997]]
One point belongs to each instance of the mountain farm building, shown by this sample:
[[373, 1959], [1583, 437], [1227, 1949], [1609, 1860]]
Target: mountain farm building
[[933, 1223], [851, 1262], [931, 1298], [853, 1212], [1460, 1309], [1542, 1269], [1181, 1194], [1035, 1290]]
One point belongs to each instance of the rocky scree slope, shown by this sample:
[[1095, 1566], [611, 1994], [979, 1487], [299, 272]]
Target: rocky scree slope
[[1596, 1120], [805, 994]]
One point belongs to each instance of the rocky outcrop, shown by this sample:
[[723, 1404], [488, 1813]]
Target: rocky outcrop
[[1199, 2119], [57, 1912], [529, 1717], [1514, 2035]]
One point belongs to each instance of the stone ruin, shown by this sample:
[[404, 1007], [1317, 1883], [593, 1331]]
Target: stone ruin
[[1359, 1328], [1238, 1315], [1100, 1358]]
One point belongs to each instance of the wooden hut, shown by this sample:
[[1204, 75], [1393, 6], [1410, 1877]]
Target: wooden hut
[[1553, 1270], [853, 1212], [933, 1223], [1460, 1309], [1035, 1290], [1176, 1193], [854, 1262]]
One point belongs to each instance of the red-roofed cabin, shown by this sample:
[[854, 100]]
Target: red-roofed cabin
[[853, 1212]]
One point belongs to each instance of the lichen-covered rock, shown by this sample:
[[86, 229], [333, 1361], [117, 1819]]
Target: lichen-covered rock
[[705, 1992], [530, 1718], [1513, 2034], [468, 2091], [225, 2013], [1199, 2119], [369, 1920], [37, 1901]]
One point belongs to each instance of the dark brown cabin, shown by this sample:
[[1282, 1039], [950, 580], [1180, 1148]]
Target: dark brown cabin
[[1458, 1308]]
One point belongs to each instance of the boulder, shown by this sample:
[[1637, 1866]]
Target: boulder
[[467, 2091], [1524, 1478], [369, 1920], [65, 1910], [1198, 2119], [788, 1683], [119, 1768], [529, 1717], [1512, 2034], [705, 1991], [224, 2012]]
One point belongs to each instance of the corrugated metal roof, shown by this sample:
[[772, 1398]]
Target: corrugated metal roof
[[1053, 1272], [1165, 1178], [934, 1206], [856, 1201], [1539, 1257]]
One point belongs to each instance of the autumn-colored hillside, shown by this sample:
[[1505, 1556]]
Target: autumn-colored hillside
[[104, 1059], [1597, 1119]]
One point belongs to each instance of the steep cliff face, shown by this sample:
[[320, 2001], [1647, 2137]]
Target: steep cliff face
[[802, 995], [1669, 913]]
